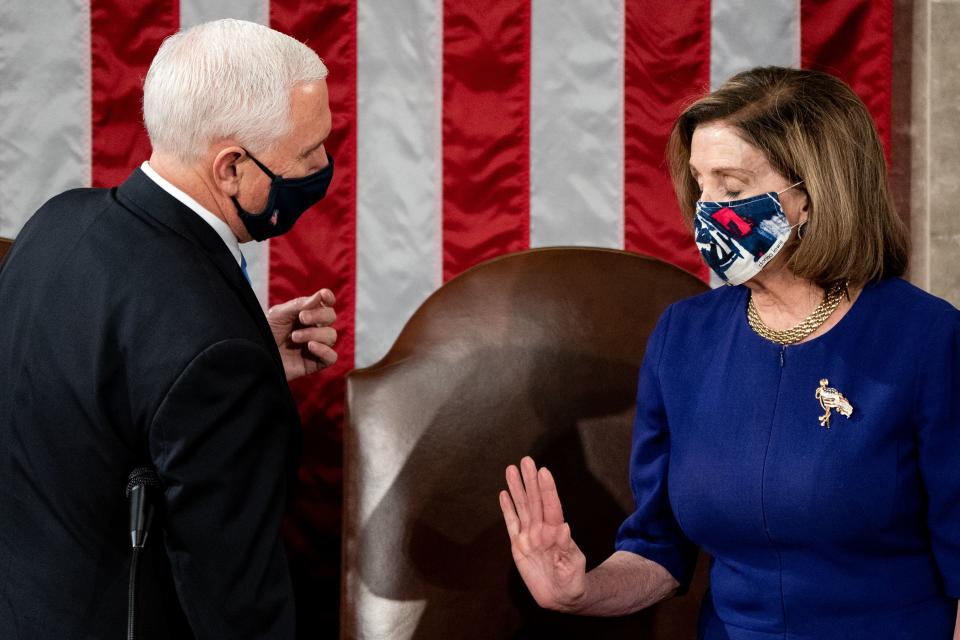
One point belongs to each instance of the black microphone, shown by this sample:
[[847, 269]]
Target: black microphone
[[142, 481]]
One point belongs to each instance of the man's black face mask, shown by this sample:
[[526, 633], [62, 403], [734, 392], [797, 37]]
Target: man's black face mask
[[288, 199]]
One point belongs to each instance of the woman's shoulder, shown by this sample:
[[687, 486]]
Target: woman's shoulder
[[897, 298], [705, 313], [712, 301], [910, 322]]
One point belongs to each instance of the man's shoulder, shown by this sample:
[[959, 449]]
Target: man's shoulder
[[66, 214], [87, 247], [88, 233], [78, 196], [74, 218]]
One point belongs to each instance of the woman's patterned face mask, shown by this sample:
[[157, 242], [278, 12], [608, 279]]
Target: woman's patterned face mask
[[737, 238]]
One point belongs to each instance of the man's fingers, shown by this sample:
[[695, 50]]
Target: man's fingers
[[529, 470], [324, 335], [509, 515], [325, 354], [552, 511], [320, 316], [314, 300], [312, 309], [285, 311], [318, 309], [518, 495]]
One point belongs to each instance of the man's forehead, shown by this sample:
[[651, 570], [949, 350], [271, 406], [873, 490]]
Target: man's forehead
[[312, 91], [310, 102]]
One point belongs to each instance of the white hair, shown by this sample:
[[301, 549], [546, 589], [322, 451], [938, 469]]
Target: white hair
[[224, 79]]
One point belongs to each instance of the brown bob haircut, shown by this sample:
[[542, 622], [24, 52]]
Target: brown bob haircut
[[811, 127]]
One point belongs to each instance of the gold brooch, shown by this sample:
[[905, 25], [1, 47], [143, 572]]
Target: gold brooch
[[831, 398]]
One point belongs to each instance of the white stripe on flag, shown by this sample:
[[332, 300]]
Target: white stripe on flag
[[746, 34], [576, 123], [45, 102], [194, 12], [399, 259]]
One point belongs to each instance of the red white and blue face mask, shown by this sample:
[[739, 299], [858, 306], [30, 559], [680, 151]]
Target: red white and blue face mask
[[738, 237]]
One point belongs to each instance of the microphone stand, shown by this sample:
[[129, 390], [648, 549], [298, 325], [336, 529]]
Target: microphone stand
[[142, 481]]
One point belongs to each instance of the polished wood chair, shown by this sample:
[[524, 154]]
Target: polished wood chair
[[5, 244], [536, 352]]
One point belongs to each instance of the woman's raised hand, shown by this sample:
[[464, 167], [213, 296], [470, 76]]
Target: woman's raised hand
[[549, 561]]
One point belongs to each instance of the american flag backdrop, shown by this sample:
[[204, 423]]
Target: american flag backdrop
[[462, 130]]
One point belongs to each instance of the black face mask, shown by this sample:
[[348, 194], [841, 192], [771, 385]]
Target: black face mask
[[288, 199]]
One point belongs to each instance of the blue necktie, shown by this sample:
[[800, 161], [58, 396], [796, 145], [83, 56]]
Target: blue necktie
[[243, 267]]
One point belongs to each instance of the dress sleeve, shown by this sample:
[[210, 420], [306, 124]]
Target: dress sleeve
[[219, 442], [938, 410], [651, 530]]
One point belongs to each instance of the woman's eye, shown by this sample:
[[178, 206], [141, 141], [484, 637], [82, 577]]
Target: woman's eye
[[733, 194]]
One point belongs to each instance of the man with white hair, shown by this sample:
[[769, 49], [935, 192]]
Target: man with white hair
[[132, 339]]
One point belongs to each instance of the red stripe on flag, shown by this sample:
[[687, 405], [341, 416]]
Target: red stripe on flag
[[486, 131], [667, 63], [124, 37], [853, 40], [321, 252]]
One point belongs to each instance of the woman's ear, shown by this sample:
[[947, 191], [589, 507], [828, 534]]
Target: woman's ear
[[804, 208]]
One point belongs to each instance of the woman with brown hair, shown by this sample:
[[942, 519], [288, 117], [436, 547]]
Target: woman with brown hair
[[801, 425]]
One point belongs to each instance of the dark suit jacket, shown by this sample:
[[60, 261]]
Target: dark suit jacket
[[129, 336]]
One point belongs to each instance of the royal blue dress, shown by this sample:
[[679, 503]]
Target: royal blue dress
[[850, 532]]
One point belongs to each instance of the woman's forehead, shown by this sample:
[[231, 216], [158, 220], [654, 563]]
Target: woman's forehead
[[717, 145]]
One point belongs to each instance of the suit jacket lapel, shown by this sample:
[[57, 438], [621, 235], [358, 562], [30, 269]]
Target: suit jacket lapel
[[141, 194], [145, 196]]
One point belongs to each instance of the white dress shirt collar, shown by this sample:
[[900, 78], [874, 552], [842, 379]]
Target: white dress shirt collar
[[218, 225]]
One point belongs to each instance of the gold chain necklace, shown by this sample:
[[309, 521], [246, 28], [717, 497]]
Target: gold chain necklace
[[831, 300]]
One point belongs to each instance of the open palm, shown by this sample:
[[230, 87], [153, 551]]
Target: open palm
[[549, 561]]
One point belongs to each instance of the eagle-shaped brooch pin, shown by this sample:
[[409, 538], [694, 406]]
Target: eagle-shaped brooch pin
[[831, 398]]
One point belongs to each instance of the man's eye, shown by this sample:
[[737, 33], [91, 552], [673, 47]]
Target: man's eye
[[733, 194]]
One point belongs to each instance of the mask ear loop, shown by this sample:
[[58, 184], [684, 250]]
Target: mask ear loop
[[790, 187], [800, 226], [267, 171]]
